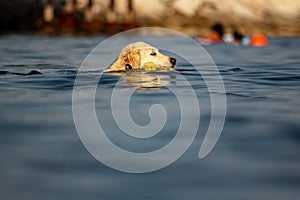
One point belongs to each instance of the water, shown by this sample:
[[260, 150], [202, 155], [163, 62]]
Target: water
[[42, 157]]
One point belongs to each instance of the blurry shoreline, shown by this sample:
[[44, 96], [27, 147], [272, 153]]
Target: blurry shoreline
[[201, 26], [26, 16]]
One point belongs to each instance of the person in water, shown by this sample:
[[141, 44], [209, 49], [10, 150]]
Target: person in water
[[237, 37], [215, 36]]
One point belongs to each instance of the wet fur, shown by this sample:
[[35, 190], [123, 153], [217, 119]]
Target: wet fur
[[135, 55]]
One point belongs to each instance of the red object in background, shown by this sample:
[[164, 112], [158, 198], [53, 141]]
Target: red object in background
[[259, 40]]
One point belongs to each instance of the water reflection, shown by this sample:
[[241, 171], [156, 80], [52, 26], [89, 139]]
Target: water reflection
[[146, 79]]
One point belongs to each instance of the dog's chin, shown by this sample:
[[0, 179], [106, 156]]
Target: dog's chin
[[150, 66], [170, 66]]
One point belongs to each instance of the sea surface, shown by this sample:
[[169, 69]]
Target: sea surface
[[42, 156]]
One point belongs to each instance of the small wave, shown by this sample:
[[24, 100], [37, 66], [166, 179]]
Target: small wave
[[244, 95], [185, 70], [4, 72], [69, 72], [32, 72], [235, 69], [283, 78]]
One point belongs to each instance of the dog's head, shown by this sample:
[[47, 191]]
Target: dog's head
[[136, 55]]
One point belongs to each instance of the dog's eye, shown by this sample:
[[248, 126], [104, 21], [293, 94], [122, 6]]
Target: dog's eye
[[153, 54]]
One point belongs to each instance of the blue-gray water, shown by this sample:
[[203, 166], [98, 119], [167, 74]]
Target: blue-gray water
[[42, 157]]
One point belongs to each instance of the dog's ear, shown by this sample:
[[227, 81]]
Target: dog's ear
[[132, 60]]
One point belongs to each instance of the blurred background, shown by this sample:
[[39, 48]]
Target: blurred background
[[73, 17], [257, 156]]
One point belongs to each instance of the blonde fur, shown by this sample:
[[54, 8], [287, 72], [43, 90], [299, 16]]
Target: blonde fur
[[135, 55]]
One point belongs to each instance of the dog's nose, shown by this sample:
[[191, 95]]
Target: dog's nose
[[173, 61]]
